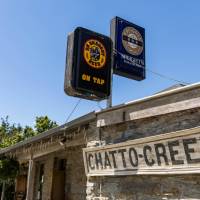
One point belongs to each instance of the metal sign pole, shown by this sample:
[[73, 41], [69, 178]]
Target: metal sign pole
[[109, 100]]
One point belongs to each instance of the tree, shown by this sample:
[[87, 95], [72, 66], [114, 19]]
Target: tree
[[9, 168], [11, 134], [28, 132], [43, 123], [4, 128]]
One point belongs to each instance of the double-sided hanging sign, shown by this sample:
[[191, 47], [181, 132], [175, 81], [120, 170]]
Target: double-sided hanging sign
[[129, 49], [88, 66]]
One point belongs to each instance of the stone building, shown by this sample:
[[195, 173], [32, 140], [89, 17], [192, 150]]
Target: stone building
[[148, 149]]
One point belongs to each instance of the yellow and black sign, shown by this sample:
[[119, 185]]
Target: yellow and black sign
[[88, 67], [95, 53]]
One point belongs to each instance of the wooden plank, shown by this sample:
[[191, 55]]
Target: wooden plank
[[172, 153]]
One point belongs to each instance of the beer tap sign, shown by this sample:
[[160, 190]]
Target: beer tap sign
[[129, 49], [88, 65]]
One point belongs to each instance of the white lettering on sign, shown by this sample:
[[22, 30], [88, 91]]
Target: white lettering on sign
[[132, 61], [152, 155]]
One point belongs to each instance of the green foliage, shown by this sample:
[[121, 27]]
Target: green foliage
[[11, 134], [9, 190], [9, 168], [10, 140], [43, 123], [28, 132]]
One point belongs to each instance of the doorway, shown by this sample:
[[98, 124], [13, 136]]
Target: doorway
[[58, 187], [40, 181]]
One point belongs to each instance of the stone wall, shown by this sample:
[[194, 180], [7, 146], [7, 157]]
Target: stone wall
[[75, 175], [150, 126], [117, 126], [48, 177], [145, 188], [48, 162], [75, 179]]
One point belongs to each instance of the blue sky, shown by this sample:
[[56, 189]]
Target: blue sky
[[33, 46]]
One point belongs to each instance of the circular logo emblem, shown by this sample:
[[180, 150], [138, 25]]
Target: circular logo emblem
[[94, 53], [132, 41]]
